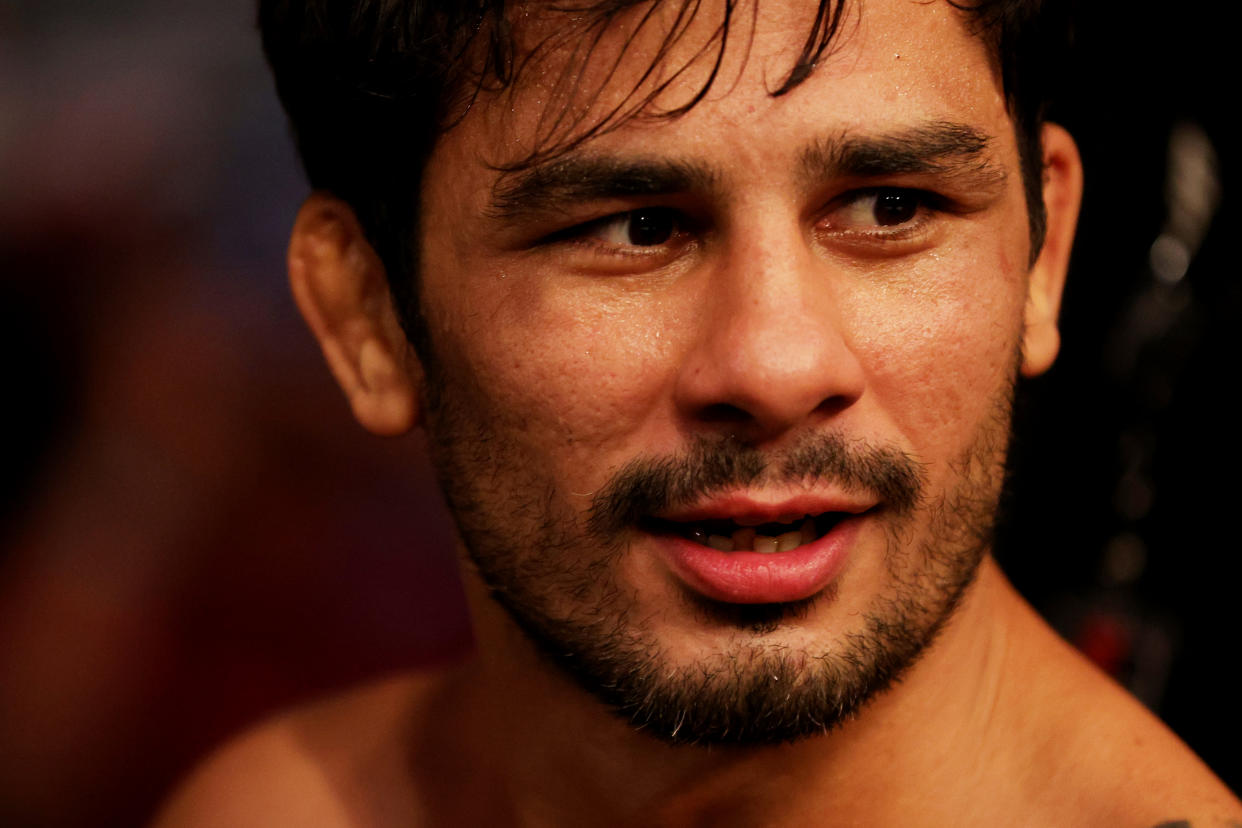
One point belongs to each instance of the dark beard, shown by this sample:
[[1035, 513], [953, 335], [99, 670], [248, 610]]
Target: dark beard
[[754, 692]]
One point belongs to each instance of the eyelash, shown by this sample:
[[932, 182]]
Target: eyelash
[[921, 205], [584, 232], [925, 204]]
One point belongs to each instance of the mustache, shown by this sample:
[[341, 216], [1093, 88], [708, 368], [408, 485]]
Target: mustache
[[648, 484]]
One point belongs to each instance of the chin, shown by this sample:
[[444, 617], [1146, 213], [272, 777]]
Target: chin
[[703, 672], [679, 644]]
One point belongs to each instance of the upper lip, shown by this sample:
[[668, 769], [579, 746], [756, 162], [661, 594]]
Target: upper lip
[[748, 508]]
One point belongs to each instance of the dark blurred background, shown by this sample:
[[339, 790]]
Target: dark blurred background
[[194, 533]]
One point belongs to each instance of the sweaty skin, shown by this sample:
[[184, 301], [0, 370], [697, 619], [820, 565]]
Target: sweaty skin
[[763, 287]]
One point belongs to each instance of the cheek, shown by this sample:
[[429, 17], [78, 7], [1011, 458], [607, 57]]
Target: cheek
[[940, 345], [568, 367]]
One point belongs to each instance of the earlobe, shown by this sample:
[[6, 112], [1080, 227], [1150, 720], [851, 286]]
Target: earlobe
[[1062, 189], [339, 284]]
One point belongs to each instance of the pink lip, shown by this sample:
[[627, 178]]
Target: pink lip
[[755, 577], [746, 509]]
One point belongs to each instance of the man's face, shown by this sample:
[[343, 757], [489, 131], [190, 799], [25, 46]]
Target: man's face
[[784, 323]]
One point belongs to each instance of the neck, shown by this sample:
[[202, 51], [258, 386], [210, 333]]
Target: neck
[[557, 756]]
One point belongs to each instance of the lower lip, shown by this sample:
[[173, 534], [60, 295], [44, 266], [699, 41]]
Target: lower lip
[[758, 578]]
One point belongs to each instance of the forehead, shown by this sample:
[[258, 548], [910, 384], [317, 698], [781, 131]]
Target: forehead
[[608, 85]]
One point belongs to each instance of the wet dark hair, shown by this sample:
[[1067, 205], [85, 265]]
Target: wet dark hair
[[369, 85]]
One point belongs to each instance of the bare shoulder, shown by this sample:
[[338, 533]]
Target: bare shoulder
[[1103, 753], [1152, 774], [1152, 777], [341, 761]]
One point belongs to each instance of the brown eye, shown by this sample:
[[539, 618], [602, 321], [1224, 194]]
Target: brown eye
[[645, 227], [877, 208], [894, 207], [648, 228]]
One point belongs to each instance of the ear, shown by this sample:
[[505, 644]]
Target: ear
[[1062, 194], [341, 290]]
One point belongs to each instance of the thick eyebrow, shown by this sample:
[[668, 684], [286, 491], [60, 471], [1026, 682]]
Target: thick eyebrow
[[941, 148], [555, 185]]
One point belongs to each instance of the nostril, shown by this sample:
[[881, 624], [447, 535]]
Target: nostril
[[729, 414], [723, 413], [833, 405], [765, 364]]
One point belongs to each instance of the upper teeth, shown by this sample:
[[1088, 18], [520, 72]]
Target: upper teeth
[[747, 539]]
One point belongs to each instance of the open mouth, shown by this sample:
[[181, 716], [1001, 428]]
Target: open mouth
[[766, 538]]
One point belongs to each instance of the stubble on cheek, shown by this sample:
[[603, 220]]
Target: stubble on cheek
[[566, 584], [493, 455]]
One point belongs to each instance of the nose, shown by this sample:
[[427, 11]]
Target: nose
[[772, 351]]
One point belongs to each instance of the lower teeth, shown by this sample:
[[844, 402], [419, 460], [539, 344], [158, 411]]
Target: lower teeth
[[745, 540]]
